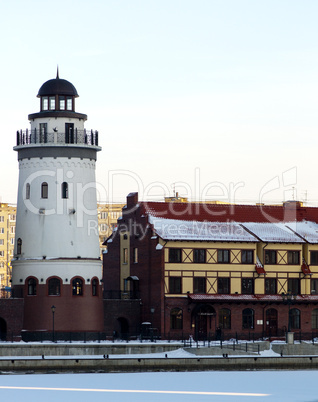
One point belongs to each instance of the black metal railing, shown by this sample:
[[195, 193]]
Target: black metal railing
[[122, 295], [81, 137]]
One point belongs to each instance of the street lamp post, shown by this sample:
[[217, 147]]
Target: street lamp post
[[53, 311], [152, 310], [289, 298]]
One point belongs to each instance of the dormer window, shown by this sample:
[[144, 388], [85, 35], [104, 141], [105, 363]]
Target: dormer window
[[52, 102], [45, 103]]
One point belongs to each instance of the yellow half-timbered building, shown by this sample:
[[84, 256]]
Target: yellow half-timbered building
[[214, 271]]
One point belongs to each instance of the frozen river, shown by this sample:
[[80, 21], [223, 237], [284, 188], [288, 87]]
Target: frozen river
[[218, 386]]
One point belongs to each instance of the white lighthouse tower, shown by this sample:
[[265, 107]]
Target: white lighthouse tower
[[56, 266]]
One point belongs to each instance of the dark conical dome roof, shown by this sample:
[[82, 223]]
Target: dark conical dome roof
[[57, 86]]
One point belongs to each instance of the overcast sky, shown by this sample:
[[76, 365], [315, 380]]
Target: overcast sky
[[215, 99]]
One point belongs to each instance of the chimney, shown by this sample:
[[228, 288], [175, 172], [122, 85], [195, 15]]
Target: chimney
[[132, 200]]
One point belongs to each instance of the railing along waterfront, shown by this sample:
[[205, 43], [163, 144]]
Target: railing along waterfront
[[85, 137]]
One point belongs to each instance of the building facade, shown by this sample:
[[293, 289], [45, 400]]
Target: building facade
[[7, 235], [56, 266], [210, 270]]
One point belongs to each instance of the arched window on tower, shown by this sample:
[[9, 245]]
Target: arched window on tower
[[19, 246], [77, 287], [95, 287], [27, 191], [54, 287], [32, 287], [64, 190], [44, 190]]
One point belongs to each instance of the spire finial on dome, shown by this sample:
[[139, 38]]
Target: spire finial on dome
[[57, 72]]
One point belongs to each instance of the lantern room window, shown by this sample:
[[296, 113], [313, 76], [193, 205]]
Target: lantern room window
[[69, 103], [52, 102], [62, 102], [45, 103]]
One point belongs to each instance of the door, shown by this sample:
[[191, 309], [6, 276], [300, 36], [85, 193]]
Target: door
[[271, 322], [69, 133]]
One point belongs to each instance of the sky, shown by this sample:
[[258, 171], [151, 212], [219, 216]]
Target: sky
[[213, 99]]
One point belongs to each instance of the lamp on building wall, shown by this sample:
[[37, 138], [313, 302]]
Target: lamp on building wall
[[53, 311]]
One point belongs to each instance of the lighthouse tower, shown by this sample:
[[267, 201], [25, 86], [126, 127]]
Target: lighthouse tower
[[56, 266]]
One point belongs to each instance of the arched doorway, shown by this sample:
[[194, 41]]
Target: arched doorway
[[3, 330], [124, 327], [204, 317], [271, 322]]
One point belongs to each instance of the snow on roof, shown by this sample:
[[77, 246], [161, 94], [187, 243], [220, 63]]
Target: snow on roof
[[273, 232], [174, 229], [307, 230], [288, 232]]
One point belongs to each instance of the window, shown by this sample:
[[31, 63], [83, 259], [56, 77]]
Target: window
[[52, 102], [77, 287], [44, 190], [1, 230], [43, 132], [32, 287], [174, 254], [1, 242], [1, 218], [270, 257], [95, 287], [295, 318], [19, 246], [1, 253], [1, 264], [125, 256], [314, 319], [12, 217], [64, 190], [176, 319], [294, 286], [135, 254], [69, 102], [314, 258], [223, 256], [199, 285], [27, 191], [314, 286], [12, 241], [62, 102], [225, 318], [247, 256], [103, 227], [248, 318], [12, 229], [175, 285], [270, 286], [45, 103], [293, 257], [103, 215], [199, 255], [247, 286], [224, 286], [54, 287]]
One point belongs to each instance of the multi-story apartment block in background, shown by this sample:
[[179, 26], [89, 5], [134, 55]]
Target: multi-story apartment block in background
[[107, 220], [7, 233]]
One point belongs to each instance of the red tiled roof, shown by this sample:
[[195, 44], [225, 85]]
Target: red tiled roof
[[248, 298], [230, 212]]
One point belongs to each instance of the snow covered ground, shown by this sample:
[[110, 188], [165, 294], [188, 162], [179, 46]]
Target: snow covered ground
[[218, 386]]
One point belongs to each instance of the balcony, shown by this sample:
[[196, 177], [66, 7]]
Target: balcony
[[79, 137]]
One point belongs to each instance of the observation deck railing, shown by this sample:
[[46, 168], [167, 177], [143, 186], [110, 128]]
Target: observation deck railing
[[81, 137]]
